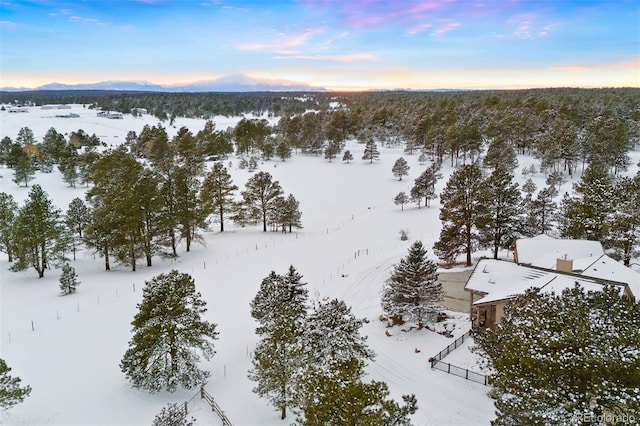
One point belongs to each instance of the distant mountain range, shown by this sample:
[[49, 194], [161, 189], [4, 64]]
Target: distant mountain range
[[232, 83]]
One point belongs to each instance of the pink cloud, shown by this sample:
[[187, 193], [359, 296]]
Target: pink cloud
[[418, 29], [445, 28], [280, 45]]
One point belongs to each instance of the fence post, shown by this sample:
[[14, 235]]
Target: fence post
[[185, 409], [448, 368]]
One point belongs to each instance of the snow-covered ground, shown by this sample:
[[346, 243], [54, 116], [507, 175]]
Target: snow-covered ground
[[68, 348]]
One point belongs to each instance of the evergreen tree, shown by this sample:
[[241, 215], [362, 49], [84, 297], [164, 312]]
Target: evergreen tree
[[589, 210], [412, 292], [332, 149], [8, 213], [53, 145], [529, 187], [555, 373], [259, 196], [78, 216], [117, 211], [23, 171], [333, 333], [168, 334], [217, 192], [68, 280], [371, 151], [172, 415], [86, 161], [500, 153], [25, 137], [503, 210], [280, 309], [463, 214], [401, 199], [624, 229], [400, 168], [330, 390], [425, 184], [347, 156], [36, 232], [539, 212], [11, 393], [283, 150], [5, 150], [339, 396]]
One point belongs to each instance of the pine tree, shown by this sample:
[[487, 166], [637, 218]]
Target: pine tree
[[539, 212], [217, 192], [259, 195], [169, 331], [529, 187], [173, 415], [463, 214], [589, 210], [347, 156], [68, 165], [23, 171], [78, 216], [401, 199], [339, 396], [283, 150], [330, 389], [332, 150], [8, 213], [412, 292], [503, 210], [117, 211], [280, 309], [371, 151], [500, 153], [400, 168], [11, 393], [425, 184], [36, 232], [580, 359], [68, 280], [624, 229]]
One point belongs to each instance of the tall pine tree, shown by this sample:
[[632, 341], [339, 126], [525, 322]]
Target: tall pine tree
[[36, 232], [412, 292], [217, 192], [169, 333], [259, 195], [503, 210], [280, 309], [463, 214]]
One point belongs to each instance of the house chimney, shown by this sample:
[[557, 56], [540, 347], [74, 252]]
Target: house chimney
[[564, 265]]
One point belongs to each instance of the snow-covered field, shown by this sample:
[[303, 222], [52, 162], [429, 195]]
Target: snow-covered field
[[68, 348]]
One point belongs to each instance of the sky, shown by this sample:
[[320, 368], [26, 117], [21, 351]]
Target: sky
[[335, 44]]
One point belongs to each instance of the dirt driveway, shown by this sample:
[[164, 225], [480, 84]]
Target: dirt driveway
[[455, 297]]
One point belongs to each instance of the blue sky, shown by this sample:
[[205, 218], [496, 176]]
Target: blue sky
[[337, 44]]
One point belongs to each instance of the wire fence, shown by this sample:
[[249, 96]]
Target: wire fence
[[438, 364]]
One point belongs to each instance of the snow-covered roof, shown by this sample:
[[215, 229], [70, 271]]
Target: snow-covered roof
[[543, 251], [610, 269], [501, 280]]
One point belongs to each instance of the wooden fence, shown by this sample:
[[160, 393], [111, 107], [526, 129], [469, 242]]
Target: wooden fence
[[215, 407]]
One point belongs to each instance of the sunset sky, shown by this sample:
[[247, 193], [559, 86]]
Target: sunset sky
[[336, 44]]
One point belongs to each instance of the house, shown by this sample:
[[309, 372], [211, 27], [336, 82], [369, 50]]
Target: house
[[494, 283]]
